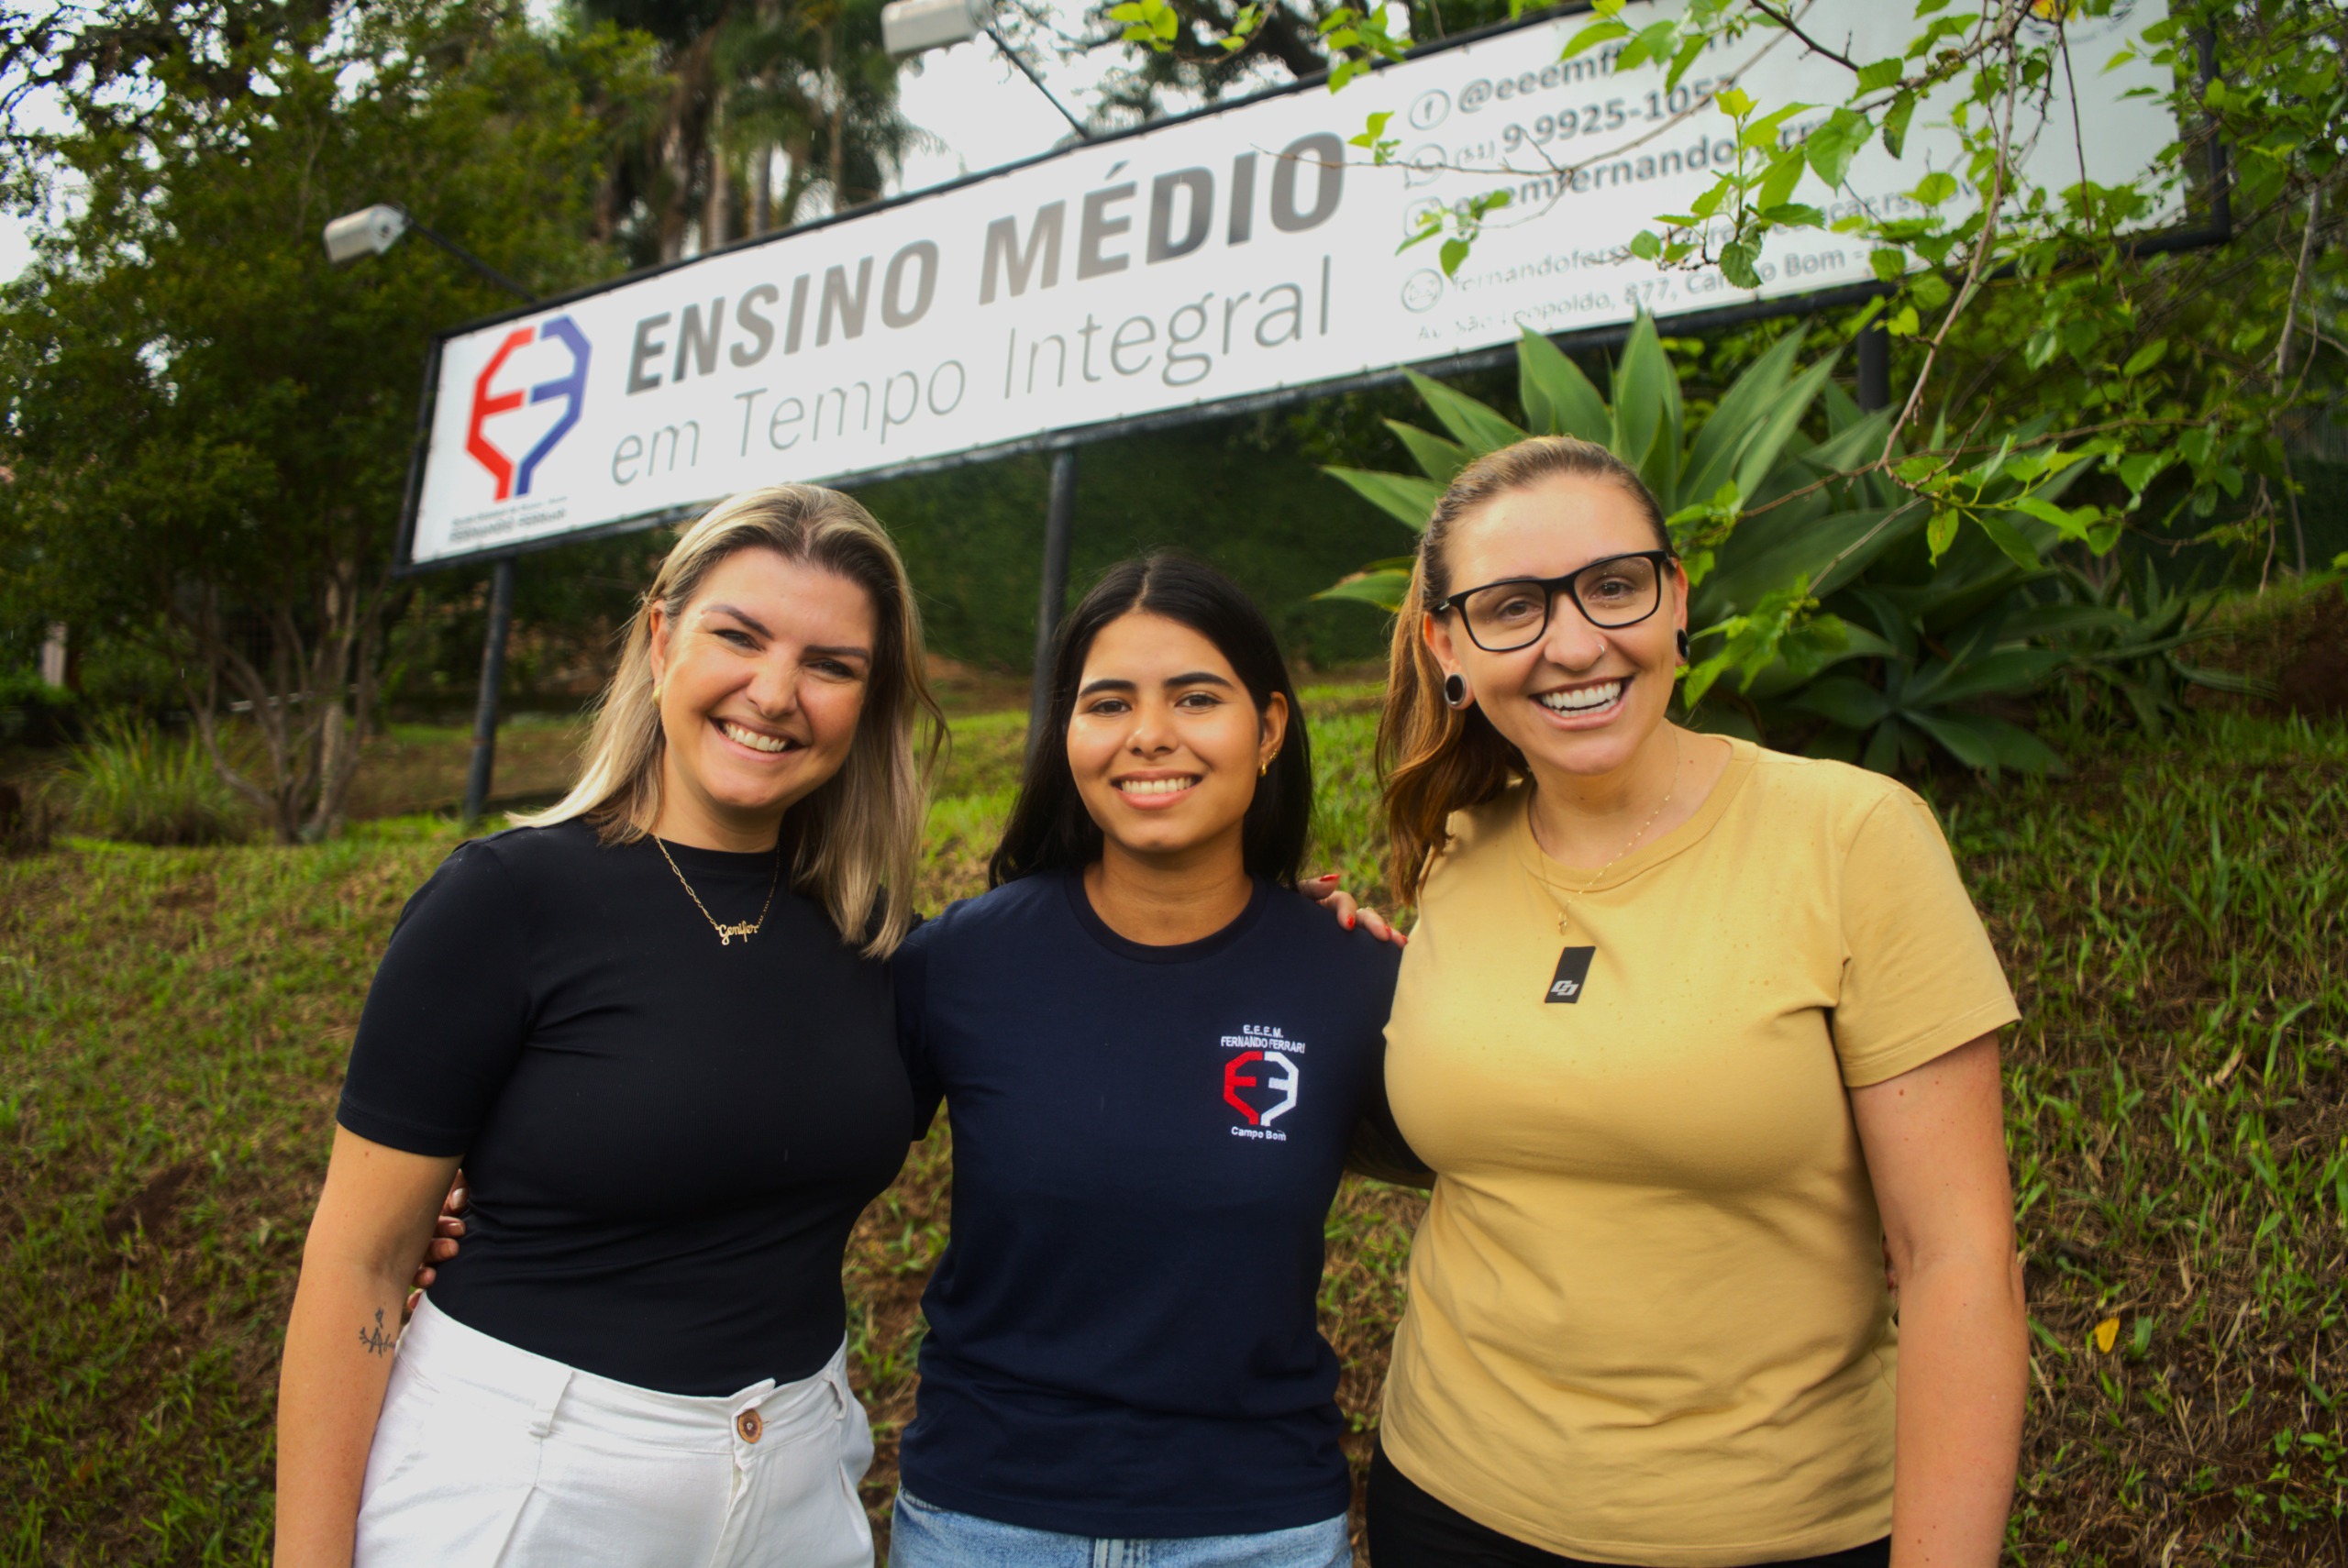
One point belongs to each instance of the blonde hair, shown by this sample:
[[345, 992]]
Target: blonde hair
[[1434, 760], [853, 843]]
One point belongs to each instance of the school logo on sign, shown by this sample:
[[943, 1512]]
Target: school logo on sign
[[512, 478], [1262, 1083]]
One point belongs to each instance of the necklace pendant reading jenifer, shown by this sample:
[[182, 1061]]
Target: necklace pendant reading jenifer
[[745, 929], [1573, 963]]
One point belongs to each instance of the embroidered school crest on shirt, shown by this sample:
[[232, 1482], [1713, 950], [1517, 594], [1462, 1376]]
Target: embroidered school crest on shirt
[[1261, 1079]]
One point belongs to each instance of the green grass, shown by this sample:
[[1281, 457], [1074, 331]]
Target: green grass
[[173, 1023]]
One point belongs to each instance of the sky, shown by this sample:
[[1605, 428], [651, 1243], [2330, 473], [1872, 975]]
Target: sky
[[981, 111]]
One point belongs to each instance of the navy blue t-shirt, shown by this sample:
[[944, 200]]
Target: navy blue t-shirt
[[1122, 1334]]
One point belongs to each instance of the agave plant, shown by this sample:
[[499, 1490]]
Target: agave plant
[[2124, 634], [1817, 602]]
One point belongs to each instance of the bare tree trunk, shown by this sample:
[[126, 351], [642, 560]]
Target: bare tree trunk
[[303, 712], [839, 118], [713, 218]]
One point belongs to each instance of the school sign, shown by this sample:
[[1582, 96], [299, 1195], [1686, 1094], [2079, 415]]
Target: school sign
[[1226, 255]]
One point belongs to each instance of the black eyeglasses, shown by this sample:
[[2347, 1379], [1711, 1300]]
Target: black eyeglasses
[[1621, 590]]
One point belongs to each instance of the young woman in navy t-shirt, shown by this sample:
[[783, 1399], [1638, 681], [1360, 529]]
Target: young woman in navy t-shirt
[[1154, 1058]]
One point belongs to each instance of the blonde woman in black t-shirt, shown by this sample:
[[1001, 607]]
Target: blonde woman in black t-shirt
[[655, 1026]]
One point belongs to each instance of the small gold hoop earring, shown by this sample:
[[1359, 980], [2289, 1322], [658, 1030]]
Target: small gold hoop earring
[[1262, 767]]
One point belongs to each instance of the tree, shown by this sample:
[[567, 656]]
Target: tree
[[747, 81], [2038, 329], [207, 427]]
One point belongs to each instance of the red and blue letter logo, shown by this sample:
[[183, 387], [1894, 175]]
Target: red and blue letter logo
[[514, 478], [1278, 1074]]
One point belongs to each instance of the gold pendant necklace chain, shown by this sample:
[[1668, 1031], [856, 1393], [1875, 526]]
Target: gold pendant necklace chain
[[1564, 902], [743, 929]]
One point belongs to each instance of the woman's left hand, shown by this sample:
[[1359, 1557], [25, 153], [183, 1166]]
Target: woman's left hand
[[1331, 895]]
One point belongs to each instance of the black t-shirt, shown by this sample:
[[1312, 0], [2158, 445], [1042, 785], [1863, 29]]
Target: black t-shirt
[[668, 1138], [1122, 1333]]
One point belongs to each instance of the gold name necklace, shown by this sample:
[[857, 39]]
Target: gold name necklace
[[727, 934]]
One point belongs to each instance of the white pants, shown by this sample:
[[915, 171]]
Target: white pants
[[488, 1456]]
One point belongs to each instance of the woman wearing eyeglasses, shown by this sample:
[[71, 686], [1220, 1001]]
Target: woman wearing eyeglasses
[[1693, 1033]]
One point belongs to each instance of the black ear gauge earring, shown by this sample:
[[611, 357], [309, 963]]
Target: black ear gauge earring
[[1681, 636], [1455, 690]]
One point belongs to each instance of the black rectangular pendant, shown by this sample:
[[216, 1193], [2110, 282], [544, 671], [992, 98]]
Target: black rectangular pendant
[[1573, 971]]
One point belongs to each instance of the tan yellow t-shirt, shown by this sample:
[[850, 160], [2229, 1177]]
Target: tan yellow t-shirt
[[1648, 1320]]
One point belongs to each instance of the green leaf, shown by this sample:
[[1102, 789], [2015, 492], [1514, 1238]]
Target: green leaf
[[1653, 42], [1647, 245], [1848, 701], [2007, 538], [1558, 399], [1689, 53], [1640, 395], [1832, 146], [1454, 251], [1762, 135], [1895, 123], [1735, 103], [2144, 358], [1590, 37], [1935, 188], [1741, 412], [1979, 741], [1890, 263], [1941, 533], [1439, 459], [1956, 737], [2010, 672], [1384, 589], [1472, 423], [2047, 512], [1785, 173], [1737, 260], [2140, 468], [1879, 74], [1372, 130], [1409, 500], [1759, 458]]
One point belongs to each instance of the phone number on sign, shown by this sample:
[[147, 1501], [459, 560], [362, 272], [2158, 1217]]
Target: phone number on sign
[[1614, 114]]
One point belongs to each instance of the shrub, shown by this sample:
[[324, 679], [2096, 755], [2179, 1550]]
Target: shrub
[[32, 712], [29, 817], [131, 781]]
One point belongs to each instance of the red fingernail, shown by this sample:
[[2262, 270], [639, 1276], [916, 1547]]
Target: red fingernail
[[1349, 922], [1330, 878]]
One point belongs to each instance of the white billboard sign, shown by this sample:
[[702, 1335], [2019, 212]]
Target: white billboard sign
[[1232, 253]]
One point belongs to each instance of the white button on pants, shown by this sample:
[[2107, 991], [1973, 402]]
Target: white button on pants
[[488, 1456]]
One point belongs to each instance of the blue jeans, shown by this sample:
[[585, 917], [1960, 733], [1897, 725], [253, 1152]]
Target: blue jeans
[[926, 1537]]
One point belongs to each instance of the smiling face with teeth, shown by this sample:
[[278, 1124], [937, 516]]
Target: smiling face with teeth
[[1165, 743], [761, 679], [1582, 699]]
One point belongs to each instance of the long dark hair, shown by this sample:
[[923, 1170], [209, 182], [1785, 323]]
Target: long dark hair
[[1050, 829]]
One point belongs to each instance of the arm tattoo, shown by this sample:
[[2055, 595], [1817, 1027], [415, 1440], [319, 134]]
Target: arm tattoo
[[376, 1342]]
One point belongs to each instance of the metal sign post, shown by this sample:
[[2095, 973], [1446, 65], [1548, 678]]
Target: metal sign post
[[493, 684]]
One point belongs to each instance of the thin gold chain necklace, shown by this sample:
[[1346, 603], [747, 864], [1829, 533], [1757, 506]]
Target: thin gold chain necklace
[[743, 929], [1565, 904]]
